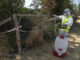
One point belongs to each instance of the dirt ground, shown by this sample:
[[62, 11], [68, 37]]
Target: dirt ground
[[45, 51]]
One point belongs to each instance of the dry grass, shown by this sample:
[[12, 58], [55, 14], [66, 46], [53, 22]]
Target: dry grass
[[35, 38]]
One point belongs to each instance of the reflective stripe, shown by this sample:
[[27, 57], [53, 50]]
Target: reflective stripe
[[65, 20], [62, 29], [67, 29]]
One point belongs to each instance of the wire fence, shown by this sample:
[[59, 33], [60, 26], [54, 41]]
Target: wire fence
[[19, 28]]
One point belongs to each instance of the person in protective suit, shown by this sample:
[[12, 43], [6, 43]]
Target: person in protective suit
[[67, 21]]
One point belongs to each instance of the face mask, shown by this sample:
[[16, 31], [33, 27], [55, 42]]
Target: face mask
[[65, 13]]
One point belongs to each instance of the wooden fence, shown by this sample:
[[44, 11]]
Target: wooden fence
[[16, 23]]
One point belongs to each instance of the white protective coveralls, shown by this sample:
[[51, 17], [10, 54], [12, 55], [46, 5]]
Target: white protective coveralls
[[61, 45], [65, 15]]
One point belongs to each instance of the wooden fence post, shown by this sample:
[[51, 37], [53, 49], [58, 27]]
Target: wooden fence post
[[55, 26], [17, 36]]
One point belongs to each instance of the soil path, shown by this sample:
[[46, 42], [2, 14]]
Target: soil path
[[45, 51]]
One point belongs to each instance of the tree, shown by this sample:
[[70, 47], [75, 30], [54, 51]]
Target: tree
[[25, 10], [8, 7], [48, 6], [61, 5], [35, 4], [79, 8]]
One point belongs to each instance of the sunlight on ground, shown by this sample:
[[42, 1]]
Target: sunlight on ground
[[29, 58], [18, 57], [78, 21], [75, 39], [45, 51]]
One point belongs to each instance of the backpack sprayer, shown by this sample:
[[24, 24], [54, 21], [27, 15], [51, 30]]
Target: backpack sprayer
[[61, 43]]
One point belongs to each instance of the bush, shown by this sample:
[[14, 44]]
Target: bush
[[4, 44]]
